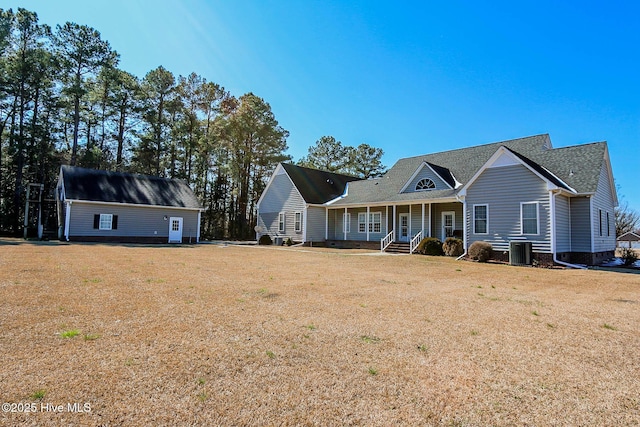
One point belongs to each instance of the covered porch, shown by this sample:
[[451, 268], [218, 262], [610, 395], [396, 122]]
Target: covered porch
[[381, 225]]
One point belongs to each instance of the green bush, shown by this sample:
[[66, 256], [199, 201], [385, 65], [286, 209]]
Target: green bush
[[452, 247], [430, 246], [265, 239], [288, 242], [481, 251]]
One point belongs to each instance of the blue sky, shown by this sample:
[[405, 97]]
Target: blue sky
[[409, 77]]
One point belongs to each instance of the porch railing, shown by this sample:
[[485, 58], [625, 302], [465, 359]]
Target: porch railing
[[386, 241], [415, 242]]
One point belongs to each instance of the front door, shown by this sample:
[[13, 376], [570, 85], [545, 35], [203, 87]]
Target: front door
[[175, 229], [448, 224], [403, 232]]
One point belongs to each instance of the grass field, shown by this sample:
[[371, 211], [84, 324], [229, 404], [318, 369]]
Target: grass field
[[228, 335]]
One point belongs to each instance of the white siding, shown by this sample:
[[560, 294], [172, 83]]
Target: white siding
[[503, 189]]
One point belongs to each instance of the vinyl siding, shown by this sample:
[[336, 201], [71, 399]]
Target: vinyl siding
[[336, 227], [563, 224], [416, 219], [133, 221], [281, 196], [436, 212], [603, 201], [503, 189], [315, 223], [580, 213], [426, 172]]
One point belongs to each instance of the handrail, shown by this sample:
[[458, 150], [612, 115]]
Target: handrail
[[386, 241], [415, 242]]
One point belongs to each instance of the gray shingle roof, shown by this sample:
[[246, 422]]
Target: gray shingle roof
[[114, 187], [578, 166]]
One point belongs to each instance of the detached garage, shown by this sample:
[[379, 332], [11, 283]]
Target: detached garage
[[101, 206]]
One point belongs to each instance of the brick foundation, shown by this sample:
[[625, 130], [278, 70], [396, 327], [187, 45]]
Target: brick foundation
[[546, 260], [352, 244]]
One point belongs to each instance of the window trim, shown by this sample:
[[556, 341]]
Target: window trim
[[522, 219], [486, 218], [297, 221], [373, 222], [105, 222], [362, 222], [281, 222], [426, 180]]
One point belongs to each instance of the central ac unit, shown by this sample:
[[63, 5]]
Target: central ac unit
[[520, 253]]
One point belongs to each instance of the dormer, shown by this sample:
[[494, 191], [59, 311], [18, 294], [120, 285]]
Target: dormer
[[428, 177]]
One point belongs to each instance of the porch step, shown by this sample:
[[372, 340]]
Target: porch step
[[398, 248]]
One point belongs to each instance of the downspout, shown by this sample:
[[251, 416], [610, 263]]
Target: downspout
[[552, 201], [198, 228], [67, 220], [303, 221], [465, 227]]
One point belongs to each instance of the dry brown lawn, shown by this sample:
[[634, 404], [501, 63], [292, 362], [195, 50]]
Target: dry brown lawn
[[228, 335]]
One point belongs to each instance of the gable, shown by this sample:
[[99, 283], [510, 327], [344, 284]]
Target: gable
[[280, 194], [504, 157], [427, 173]]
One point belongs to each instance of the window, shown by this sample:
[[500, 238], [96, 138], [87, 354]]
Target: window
[[281, 222], [425, 184], [608, 225], [298, 221], [375, 222], [346, 222], [529, 218], [105, 222], [362, 222], [480, 219]]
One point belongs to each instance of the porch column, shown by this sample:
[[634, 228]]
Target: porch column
[[394, 223], [430, 220], [410, 231], [422, 220], [344, 224], [367, 222], [326, 224], [386, 220]]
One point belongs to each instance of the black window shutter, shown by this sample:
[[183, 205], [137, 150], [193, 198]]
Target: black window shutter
[[96, 221], [114, 222]]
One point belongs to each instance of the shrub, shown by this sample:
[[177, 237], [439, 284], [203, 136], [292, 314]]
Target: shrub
[[289, 242], [265, 239], [430, 246], [452, 247], [628, 256], [480, 251]]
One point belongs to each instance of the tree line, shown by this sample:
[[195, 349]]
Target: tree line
[[64, 100]]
